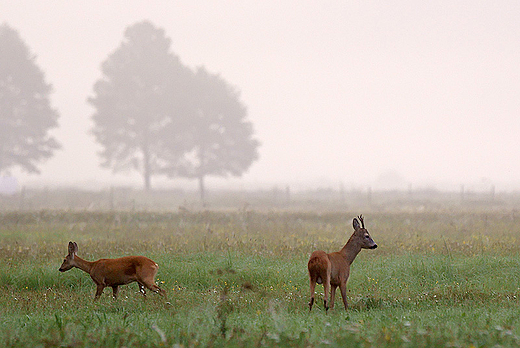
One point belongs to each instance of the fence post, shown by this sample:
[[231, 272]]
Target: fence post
[[22, 199], [111, 198]]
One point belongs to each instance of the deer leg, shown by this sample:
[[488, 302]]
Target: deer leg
[[343, 289], [115, 290], [152, 287], [142, 289], [326, 290], [157, 290], [313, 287], [99, 291], [149, 282], [332, 295]]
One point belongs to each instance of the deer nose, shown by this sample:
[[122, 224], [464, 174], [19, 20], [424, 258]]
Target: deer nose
[[374, 246]]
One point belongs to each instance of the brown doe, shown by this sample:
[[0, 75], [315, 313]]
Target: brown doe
[[115, 272], [333, 269]]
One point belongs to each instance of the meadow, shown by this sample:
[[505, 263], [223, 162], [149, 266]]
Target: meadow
[[238, 278]]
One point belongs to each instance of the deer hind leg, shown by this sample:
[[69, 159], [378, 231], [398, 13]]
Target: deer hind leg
[[313, 287], [149, 282], [326, 290], [152, 286], [157, 289], [142, 289]]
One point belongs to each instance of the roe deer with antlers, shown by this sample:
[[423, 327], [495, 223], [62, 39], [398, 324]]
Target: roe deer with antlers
[[115, 272], [333, 269]]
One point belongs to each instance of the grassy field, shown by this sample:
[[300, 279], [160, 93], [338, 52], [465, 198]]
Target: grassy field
[[239, 279]]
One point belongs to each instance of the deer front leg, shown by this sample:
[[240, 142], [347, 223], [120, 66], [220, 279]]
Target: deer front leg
[[332, 295], [99, 291], [115, 290], [343, 289]]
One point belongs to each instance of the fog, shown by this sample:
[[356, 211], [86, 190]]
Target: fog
[[353, 93]]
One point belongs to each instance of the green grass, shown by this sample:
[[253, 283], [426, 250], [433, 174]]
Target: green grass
[[240, 279]]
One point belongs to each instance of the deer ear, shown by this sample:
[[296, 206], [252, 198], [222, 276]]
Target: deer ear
[[355, 224], [71, 248]]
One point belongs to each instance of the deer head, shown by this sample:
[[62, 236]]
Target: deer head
[[68, 262], [361, 235]]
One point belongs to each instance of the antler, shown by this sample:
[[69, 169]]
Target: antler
[[360, 217]]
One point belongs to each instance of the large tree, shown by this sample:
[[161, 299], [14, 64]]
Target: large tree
[[137, 97], [25, 112], [219, 137]]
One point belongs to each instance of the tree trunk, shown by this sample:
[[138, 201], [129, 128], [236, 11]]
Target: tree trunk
[[201, 171], [201, 188], [146, 165], [146, 177]]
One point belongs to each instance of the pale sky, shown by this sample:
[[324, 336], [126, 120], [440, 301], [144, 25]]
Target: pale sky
[[337, 91]]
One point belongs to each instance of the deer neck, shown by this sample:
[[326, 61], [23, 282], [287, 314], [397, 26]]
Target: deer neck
[[83, 265], [350, 251]]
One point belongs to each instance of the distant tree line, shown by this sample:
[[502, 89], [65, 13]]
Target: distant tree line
[[152, 113]]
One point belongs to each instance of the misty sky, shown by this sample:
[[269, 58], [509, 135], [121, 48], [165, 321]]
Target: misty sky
[[337, 91]]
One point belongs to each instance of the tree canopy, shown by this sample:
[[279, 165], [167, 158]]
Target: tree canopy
[[219, 138], [25, 112], [136, 98], [157, 116]]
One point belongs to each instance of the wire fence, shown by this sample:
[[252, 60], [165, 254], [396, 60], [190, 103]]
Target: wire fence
[[128, 199]]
